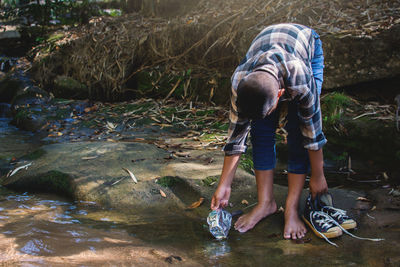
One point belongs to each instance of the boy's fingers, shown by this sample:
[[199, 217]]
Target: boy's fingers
[[215, 203], [224, 203]]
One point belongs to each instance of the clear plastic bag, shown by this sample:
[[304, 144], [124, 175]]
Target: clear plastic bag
[[219, 222]]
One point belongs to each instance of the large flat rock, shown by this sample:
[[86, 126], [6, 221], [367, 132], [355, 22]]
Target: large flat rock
[[93, 171]]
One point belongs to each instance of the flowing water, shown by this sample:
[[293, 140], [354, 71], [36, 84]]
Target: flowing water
[[41, 230], [47, 230]]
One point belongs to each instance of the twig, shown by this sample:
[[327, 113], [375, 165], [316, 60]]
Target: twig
[[365, 114]]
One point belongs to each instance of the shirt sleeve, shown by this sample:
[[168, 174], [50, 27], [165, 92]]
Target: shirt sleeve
[[239, 127], [302, 82]]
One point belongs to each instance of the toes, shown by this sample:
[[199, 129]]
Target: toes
[[286, 235], [300, 235], [294, 237]]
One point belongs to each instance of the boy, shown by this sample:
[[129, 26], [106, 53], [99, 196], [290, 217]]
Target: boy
[[284, 60]]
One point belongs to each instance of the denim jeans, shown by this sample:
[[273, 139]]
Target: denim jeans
[[263, 131]]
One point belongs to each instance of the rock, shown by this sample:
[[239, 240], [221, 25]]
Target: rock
[[370, 58], [5, 110], [8, 87], [67, 86], [28, 121], [9, 32], [93, 171]]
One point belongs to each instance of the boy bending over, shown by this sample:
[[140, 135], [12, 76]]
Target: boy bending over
[[283, 61]]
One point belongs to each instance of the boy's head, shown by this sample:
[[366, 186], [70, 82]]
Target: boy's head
[[257, 95]]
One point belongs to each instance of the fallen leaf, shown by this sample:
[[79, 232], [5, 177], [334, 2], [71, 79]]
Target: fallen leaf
[[87, 158], [245, 202], [12, 172], [162, 193], [373, 208], [363, 199], [196, 204], [385, 176], [131, 175]]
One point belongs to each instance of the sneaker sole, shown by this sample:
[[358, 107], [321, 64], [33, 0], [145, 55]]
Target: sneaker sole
[[349, 224], [333, 232]]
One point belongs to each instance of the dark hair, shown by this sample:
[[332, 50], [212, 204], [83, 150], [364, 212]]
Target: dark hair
[[256, 94]]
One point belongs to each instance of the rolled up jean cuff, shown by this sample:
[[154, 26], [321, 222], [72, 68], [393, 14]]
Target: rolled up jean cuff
[[298, 168], [265, 166]]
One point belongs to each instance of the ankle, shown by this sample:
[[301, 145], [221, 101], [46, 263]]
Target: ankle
[[291, 211], [267, 203]]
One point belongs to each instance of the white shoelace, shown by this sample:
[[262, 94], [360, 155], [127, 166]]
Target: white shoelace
[[328, 221], [338, 212]]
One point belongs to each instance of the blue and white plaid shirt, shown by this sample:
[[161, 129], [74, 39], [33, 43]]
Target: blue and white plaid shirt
[[285, 51]]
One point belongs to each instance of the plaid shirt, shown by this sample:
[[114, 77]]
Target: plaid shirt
[[285, 51]]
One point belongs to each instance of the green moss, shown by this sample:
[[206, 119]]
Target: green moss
[[52, 182], [55, 37], [35, 154], [87, 124], [22, 113], [60, 113], [167, 181], [144, 121], [62, 100], [333, 106], [246, 161], [220, 126]]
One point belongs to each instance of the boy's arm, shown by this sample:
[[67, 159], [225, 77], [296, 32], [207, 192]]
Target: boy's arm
[[318, 183], [221, 196]]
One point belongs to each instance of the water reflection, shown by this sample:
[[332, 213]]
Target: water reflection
[[216, 249], [37, 227]]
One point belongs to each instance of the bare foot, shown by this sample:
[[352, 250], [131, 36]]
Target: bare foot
[[294, 227], [249, 220]]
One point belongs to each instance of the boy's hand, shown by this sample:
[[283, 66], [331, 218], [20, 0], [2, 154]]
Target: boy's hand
[[221, 197], [318, 185]]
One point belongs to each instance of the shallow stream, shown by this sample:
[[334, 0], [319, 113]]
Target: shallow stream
[[46, 230]]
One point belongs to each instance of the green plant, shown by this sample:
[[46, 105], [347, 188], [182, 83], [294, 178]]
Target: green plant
[[167, 181], [210, 180], [246, 161], [50, 11], [333, 106]]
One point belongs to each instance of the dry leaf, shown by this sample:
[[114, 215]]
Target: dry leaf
[[196, 204], [385, 176], [131, 175], [373, 208], [363, 199], [163, 193], [245, 202], [87, 158]]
